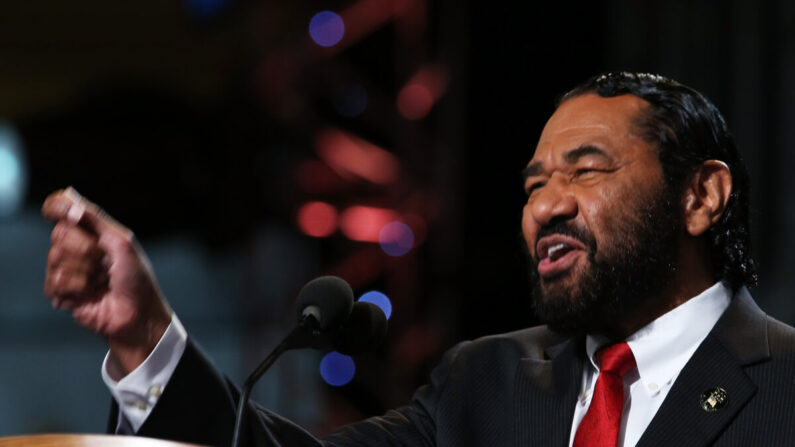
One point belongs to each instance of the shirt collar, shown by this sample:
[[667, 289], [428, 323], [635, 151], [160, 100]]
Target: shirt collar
[[664, 346]]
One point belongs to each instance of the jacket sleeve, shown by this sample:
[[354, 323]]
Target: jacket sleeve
[[411, 425], [198, 406]]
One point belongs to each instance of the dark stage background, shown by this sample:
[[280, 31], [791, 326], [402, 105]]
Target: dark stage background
[[226, 136]]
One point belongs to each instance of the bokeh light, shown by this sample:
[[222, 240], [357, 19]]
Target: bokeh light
[[417, 97], [10, 169], [326, 28], [396, 238], [337, 369], [414, 101], [317, 219], [365, 223], [380, 300], [13, 171], [205, 9], [348, 154], [351, 100]]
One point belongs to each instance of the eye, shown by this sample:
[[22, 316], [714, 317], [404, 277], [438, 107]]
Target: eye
[[585, 173], [531, 188]]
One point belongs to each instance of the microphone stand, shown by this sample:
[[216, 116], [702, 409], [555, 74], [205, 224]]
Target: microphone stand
[[306, 335]]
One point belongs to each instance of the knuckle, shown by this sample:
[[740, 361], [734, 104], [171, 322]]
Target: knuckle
[[58, 231], [125, 242], [84, 248], [59, 279], [54, 255], [78, 284], [70, 284]]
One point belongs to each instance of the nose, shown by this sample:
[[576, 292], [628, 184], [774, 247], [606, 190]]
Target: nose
[[554, 201]]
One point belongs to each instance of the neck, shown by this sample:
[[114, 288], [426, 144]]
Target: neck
[[692, 277]]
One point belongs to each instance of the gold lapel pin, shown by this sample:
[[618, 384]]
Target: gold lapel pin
[[714, 399]]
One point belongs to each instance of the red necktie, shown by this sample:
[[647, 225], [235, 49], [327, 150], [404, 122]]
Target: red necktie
[[599, 427]]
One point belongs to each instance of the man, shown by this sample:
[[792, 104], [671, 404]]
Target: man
[[636, 227]]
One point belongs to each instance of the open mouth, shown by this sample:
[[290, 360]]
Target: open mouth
[[557, 253]]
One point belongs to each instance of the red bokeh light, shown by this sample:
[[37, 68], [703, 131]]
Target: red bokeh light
[[421, 92], [414, 101], [364, 223], [348, 154], [317, 219]]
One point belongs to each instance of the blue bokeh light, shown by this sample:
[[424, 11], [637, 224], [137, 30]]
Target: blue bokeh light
[[206, 9], [326, 28], [351, 100], [337, 369], [396, 238], [9, 168], [13, 171], [380, 300]]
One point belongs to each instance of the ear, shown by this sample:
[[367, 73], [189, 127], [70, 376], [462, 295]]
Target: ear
[[706, 196]]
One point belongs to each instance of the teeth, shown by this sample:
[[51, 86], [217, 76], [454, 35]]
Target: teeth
[[555, 248]]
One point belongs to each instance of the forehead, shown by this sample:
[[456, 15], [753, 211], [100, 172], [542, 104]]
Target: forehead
[[607, 123]]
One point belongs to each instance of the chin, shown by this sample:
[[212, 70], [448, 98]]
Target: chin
[[568, 283], [567, 305]]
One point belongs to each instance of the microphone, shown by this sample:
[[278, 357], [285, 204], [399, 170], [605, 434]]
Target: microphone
[[327, 317], [365, 329], [324, 305]]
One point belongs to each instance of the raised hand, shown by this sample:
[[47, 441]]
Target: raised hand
[[98, 272]]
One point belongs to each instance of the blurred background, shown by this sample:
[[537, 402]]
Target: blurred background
[[254, 145]]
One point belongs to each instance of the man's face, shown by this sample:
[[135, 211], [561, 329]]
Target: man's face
[[599, 224]]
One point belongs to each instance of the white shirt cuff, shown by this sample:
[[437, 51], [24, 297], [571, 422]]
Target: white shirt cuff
[[138, 392]]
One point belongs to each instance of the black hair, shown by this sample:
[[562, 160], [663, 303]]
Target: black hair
[[688, 130]]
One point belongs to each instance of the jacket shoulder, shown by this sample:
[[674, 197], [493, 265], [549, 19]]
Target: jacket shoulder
[[781, 336], [525, 343]]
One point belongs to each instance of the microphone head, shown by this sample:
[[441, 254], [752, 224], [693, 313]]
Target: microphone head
[[364, 330], [329, 299]]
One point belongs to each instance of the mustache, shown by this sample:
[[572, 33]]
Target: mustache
[[570, 229]]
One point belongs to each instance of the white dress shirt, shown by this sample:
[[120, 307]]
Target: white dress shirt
[[661, 350], [138, 392]]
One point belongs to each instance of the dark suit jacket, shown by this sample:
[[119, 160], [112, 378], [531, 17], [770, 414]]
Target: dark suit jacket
[[519, 389]]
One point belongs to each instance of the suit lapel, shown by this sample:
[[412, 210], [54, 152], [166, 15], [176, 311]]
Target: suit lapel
[[738, 339], [545, 394]]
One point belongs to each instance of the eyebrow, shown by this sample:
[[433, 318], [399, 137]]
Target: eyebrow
[[532, 170], [571, 157], [574, 155]]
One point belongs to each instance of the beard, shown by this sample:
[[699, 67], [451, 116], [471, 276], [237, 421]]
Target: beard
[[636, 261]]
